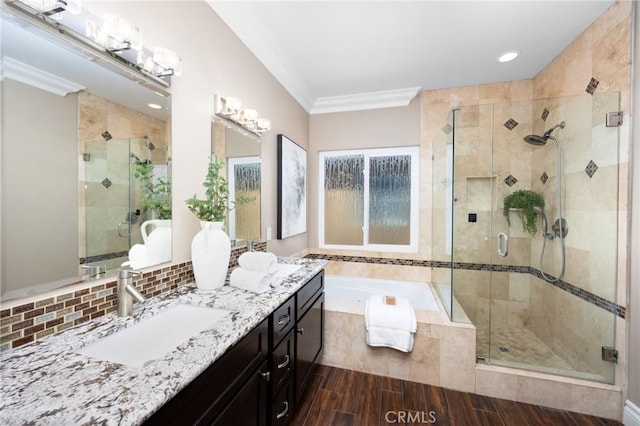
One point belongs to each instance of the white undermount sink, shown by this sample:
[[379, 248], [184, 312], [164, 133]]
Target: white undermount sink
[[283, 270], [154, 337]]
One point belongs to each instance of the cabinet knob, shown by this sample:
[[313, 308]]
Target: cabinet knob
[[301, 330], [265, 376]]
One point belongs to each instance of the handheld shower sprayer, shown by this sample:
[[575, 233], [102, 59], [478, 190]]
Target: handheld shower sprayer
[[543, 217]]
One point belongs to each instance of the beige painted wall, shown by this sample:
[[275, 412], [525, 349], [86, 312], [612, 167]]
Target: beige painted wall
[[215, 62], [40, 232], [634, 301], [378, 128]]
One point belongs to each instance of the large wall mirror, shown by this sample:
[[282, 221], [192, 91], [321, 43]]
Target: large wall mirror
[[86, 166], [240, 150]]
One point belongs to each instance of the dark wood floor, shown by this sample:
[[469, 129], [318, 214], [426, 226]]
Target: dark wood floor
[[343, 397]]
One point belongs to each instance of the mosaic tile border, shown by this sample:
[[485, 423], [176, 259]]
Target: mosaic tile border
[[35, 320], [585, 295], [106, 256]]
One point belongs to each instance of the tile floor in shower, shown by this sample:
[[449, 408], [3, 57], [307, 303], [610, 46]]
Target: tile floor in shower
[[521, 348]]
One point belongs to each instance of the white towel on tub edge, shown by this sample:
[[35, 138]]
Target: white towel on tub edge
[[400, 316]]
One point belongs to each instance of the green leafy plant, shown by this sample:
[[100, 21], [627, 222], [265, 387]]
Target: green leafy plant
[[524, 200], [157, 195], [216, 205]]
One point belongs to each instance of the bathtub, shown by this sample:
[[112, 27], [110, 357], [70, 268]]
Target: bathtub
[[349, 294]]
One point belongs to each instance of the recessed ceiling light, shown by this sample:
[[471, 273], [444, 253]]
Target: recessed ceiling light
[[508, 56], [155, 106]]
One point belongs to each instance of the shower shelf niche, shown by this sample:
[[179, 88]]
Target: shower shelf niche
[[479, 190]]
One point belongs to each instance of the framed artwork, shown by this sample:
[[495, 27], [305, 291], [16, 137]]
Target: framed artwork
[[292, 188]]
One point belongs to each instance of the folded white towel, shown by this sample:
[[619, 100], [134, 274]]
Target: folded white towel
[[255, 281], [258, 261], [400, 316], [390, 338]]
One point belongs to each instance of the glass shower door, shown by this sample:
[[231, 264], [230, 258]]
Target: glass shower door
[[529, 311], [552, 298]]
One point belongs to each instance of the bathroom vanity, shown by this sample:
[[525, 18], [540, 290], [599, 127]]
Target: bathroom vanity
[[263, 375], [249, 368]]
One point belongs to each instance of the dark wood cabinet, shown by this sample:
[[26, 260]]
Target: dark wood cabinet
[[249, 405], [259, 379], [309, 343]]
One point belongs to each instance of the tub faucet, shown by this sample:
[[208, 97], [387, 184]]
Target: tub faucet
[[127, 292]]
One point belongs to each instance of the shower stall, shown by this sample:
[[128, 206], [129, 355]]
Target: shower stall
[[543, 301], [111, 209]]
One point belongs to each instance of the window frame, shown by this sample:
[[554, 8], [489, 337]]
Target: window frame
[[414, 153]]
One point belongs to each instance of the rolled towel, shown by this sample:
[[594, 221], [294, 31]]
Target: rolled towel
[[138, 252], [254, 281], [258, 261]]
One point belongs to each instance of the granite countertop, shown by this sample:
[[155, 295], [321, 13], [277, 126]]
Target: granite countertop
[[48, 382]]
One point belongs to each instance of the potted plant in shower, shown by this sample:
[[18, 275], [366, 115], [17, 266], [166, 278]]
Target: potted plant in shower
[[523, 202], [157, 192], [211, 247]]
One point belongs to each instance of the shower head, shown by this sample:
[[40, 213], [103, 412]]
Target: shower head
[[541, 140], [535, 139]]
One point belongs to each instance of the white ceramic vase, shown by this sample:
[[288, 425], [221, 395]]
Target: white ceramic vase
[[158, 241], [210, 253]]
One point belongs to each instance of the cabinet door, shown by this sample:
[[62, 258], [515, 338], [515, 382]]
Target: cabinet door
[[249, 406], [309, 343]]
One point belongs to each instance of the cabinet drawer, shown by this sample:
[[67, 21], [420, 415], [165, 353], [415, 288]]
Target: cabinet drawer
[[282, 321], [306, 295], [282, 407], [282, 362]]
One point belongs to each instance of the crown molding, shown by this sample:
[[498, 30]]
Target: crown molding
[[363, 101], [36, 77]]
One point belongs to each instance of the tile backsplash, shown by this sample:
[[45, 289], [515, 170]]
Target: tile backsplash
[[35, 320]]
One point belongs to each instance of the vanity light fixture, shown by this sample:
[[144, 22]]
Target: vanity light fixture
[[230, 109], [55, 7], [168, 61], [115, 41], [508, 56]]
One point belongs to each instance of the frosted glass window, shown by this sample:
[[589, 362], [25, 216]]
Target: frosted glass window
[[244, 183], [344, 199], [369, 199], [390, 199]]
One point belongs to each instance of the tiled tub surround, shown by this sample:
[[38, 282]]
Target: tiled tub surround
[[443, 353], [28, 322], [47, 382]]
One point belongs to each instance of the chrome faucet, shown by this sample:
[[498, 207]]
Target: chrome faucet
[[127, 292], [95, 271]]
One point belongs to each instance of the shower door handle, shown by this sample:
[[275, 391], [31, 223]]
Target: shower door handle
[[503, 244], [128, 229]]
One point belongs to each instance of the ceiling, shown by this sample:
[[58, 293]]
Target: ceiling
[[346, 55]]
